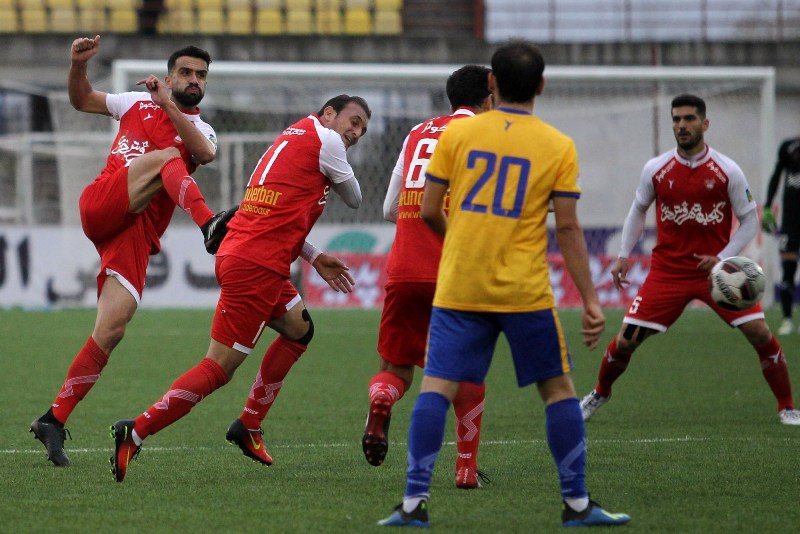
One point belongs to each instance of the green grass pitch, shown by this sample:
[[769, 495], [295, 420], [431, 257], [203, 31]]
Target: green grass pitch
[[690, 442]]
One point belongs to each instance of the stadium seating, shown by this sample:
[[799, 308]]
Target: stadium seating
[[239, 21], [213, 17], [9, 23], [357, 22], [63, 20], [123, 20], [33, 20]]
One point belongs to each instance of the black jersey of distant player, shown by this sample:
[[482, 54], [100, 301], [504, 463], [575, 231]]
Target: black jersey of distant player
[[788, 166]]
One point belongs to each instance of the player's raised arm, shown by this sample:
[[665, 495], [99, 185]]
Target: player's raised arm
[[81, 94]]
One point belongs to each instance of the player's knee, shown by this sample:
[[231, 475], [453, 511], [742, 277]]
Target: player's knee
[[306, 339], [169, 153], [107, 338], [632, 336]]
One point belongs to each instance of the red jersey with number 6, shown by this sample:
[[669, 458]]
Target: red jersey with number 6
[[286, 195], [416, 250]]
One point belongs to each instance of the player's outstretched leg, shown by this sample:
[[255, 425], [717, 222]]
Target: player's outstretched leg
[[216, 228], [249, 441], [52, 434], [385, 389], [592, 516], [125, 448]]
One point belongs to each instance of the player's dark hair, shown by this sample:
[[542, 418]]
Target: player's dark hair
[[690, 100], [468, 86], [190, 51], [338, 103], [518, 67]]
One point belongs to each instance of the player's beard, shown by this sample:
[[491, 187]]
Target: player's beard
[[693, 141], [186, 99]]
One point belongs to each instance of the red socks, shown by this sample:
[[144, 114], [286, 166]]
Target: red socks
[[773, 366], [389, 384], [183, 190], [278, 360], [468, 405], [81, 376], [613, 365], [189, 389]]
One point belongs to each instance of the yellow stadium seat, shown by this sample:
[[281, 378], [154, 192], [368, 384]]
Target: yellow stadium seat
[[269, 22], [269, 4], [239, 22], [211, 21], [388, 22], [119, 5], [180, 21], [297, 5], [329, 22], [239, 4], [214, 5], [178, 4], [59, 4], [91, 4], [63, 21], [327, 5], [357, 22], [29, 4], [298, 22], [9, 23], [33, 20], [388, 5], [5, 5], [358, 4], [92, 20], [123, 21]]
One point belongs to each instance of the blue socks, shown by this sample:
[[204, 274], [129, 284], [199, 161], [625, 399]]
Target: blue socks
[[567, 439], [425, 441]]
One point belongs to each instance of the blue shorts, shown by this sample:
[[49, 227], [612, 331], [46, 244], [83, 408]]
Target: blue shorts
[[461, 345]]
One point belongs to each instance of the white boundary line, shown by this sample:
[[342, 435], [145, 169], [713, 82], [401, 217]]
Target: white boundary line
[[641, 441]]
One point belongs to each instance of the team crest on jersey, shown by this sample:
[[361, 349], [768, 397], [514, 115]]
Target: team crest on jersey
[[749, 195], [130, 150], [709, 183], [663, 172], [681, 213]]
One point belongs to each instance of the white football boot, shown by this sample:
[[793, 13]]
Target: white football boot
[[790, 417], [591, 403], [785, 328]]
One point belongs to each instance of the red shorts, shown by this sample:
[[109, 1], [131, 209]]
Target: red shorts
[[403, 334], [252, 296], [662, 300], [121, 238]]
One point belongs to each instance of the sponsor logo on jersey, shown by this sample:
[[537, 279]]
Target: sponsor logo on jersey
[[663, 172], [713, 167], [681, 213], [429, 127], [291, 130], [130, 150], [148, 105]]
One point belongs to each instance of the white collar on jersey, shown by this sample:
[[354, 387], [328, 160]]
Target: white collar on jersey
[[464, 111], [695, 161]]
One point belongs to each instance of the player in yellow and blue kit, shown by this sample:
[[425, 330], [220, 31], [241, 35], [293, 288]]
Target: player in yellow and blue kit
[[503, 169]]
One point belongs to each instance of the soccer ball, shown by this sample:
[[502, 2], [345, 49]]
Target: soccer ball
[[737, 283]]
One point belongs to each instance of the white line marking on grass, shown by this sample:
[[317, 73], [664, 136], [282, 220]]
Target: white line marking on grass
[[502, 442]]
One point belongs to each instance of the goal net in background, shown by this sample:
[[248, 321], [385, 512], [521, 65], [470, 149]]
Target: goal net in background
[[618, 117]]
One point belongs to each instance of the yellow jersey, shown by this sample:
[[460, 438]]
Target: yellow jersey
[[502, 168]]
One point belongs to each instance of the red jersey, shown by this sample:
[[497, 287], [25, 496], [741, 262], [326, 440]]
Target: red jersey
[[144, 127], [286, 194], [695, 204], [416, 249]]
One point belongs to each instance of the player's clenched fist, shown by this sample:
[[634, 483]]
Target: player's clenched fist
[[83, 48]]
